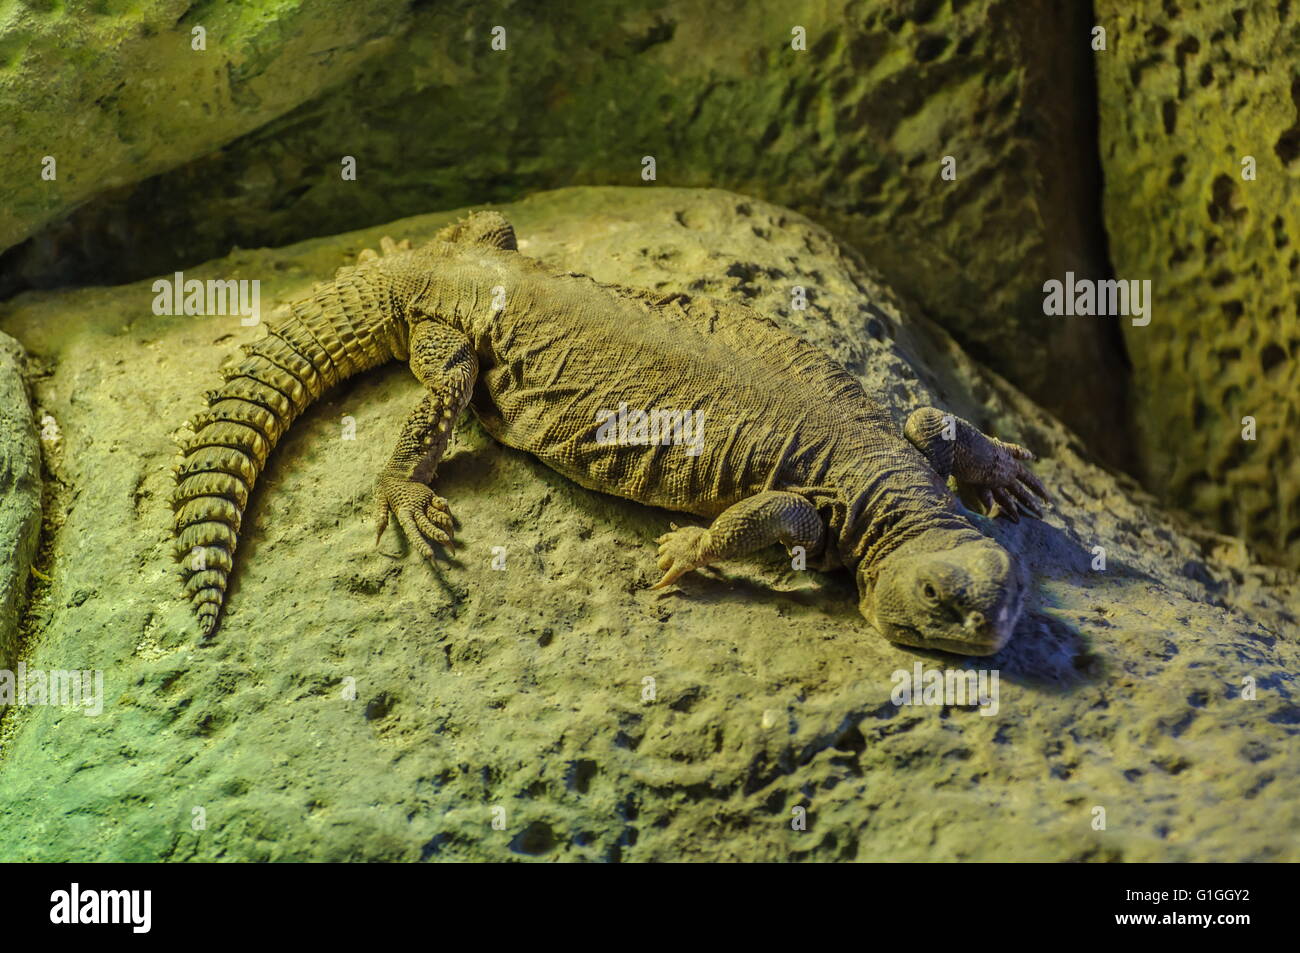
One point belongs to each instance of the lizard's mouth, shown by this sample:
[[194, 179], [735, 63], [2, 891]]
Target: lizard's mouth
[[985, 641]]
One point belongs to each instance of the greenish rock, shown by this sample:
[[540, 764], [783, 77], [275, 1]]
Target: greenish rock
[[851, 131], [1187, 93], [356, 706], [115, 91], [20, 495]]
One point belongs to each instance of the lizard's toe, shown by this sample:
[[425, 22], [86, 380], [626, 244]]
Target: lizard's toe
[[436, 521], [674, 572], [429, 530], [423, 515], [1026, 500], [439, 515], [1030, 480], [410, 526], [1006, 504], [1017, 451], [679, 552], [1012, 490]]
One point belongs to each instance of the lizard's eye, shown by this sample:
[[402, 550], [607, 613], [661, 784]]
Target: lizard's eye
[[929, 591]]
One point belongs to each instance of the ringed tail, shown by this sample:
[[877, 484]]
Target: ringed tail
[[346, 327]]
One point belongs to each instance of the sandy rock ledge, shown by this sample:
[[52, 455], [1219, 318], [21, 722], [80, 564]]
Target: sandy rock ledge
[[1160, 690]]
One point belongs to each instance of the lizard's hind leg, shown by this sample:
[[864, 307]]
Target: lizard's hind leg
[[386, 247], [772, 516], [444, 361]]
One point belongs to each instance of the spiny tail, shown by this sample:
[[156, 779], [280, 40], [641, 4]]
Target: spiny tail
[[342, 330]]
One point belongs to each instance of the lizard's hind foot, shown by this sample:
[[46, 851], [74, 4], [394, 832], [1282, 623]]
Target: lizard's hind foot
[[422, 514], [386, 247]]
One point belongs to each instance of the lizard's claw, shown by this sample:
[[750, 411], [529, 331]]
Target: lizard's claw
[[1013, 495], [422, 514], [1017, 451], [1022, 473], [1005, 505], [681, 551]]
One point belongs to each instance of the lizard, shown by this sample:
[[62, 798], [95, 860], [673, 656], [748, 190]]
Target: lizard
[[793, 449]]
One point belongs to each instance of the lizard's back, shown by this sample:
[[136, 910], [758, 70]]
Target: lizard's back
[[567, 354]]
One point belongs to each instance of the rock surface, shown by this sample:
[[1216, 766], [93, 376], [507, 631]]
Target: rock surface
[[20, 494], [852, 131], [1187, 92], [1160, 690], [116, 92]]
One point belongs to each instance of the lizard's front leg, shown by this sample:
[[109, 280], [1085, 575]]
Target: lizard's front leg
[[990, 468], [761, 520], [444, 361]]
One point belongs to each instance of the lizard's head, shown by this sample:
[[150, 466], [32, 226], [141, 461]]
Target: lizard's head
[[965, 599]]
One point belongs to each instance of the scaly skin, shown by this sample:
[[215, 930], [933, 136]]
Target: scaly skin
[[792, 449]]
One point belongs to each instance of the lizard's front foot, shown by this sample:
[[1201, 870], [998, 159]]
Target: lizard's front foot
[[1009, 492], [422, 514], [681, 551]]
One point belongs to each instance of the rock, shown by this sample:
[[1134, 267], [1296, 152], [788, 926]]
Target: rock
[[359, 707], [20, 495], [852, 131], [119, 94], [1188, 91]]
